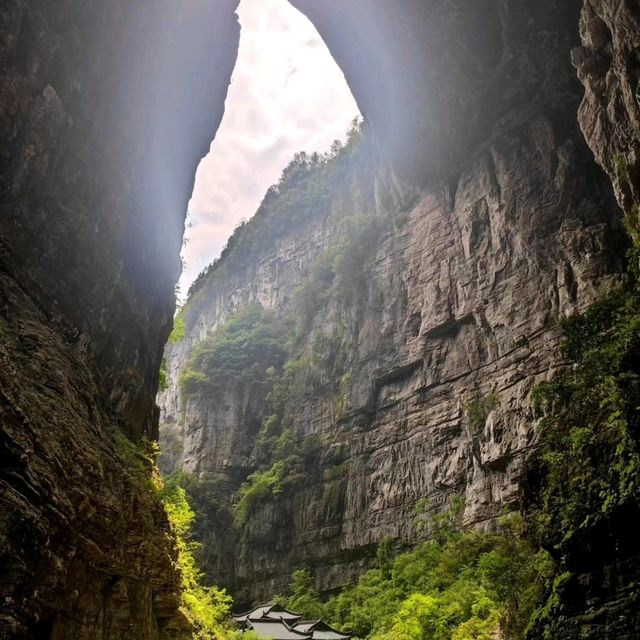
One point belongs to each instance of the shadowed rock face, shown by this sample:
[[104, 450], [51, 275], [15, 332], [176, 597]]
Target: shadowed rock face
[[437, 77], [608, 64], [463, 299], [601, 598], [99, 141]]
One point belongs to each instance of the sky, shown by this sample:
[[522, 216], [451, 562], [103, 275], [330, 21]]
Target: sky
[[287, 94]]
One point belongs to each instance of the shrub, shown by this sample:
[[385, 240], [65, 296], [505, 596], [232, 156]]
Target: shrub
[[245, 347], [259, 486], [177, 334], [463, 586], [588, 453], [584, 478], [207, 607], [477, 411], [192, 381]]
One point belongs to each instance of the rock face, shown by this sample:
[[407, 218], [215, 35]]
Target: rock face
[[456, 71], [496, 222], [601, 600], [459, 303], [98, 148], [608, 64]]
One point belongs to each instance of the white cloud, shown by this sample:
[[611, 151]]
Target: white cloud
[[286, 94]]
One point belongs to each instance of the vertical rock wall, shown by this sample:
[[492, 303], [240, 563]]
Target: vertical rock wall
[[608, 64], [599, 598], [514, 227], [105, 110]]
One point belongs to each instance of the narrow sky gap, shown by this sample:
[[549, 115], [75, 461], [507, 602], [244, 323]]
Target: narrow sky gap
[[287, 94]]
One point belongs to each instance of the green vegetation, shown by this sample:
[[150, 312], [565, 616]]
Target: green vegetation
[[244, 348], [305, 190], [259, 487], [477, 411], [292, 463], [586, 473], [360, 237], [177, 334], [288, 460], [457, 586], [632, 223], [339, 273], [163, 379], [588, 438], [314, 292], [207, 607], [138, 458], [303, 596]]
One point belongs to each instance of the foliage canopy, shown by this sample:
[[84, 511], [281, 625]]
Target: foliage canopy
[[459, 586]]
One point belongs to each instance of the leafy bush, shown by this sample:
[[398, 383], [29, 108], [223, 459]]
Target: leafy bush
[[177, 334], [463, 586], [303, 596], [192, 381], [207, 608], [588, 453], [291, 461], [245, 347], [585, 477], [477, 411], [259, 486], [138, 457]]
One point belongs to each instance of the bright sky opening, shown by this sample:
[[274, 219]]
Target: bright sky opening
[[287, 94]]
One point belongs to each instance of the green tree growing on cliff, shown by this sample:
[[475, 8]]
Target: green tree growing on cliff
[[584, 479], [250, 342], [206, 607], [458, 586]]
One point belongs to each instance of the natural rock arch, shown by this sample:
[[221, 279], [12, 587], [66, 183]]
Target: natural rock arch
[[99, 149]]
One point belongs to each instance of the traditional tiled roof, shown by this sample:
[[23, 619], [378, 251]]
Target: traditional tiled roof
[[278, 623], [320, 630], [329, 634], [306, 625], [275, 629], [272, 611]]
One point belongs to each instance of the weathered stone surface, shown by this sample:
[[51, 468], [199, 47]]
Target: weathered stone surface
[[84, 546], [105, 109], [600, 599], [99, 141], [463, 298], [608, 64], [436, 77]]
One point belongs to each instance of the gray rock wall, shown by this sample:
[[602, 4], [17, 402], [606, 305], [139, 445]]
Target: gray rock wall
[[461, 298], [99, 141]]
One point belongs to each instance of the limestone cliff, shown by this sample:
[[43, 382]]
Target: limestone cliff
[[599, 597], [98, 148], [454, 307], [485, 218]]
